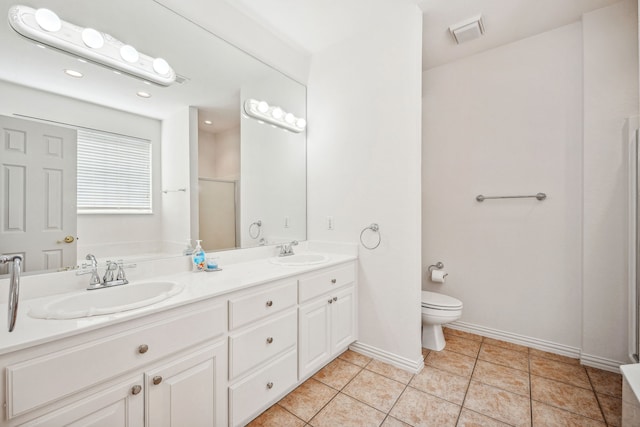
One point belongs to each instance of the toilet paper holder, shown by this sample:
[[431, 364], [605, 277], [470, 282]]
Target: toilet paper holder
[[438, 266]]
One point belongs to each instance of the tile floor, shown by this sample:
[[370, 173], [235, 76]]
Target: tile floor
[[474, 381]]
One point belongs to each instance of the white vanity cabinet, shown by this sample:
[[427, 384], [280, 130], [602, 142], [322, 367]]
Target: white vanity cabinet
[[327, 316], [108, 376]]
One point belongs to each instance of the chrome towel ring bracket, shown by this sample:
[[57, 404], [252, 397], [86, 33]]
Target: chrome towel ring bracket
[[375, 228], [254, 229]]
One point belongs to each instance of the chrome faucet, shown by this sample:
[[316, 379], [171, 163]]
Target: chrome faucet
[[113, 276], [14, 287], [286, 249]]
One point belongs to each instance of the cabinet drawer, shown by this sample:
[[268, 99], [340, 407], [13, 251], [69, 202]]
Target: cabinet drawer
[[251, 396], [325, 281], [249, 349], [246, 309], [42, 380]]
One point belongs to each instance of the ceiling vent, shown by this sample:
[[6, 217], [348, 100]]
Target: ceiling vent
[[466, 30]]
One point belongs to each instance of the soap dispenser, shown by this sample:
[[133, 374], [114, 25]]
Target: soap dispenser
[[198, 257]]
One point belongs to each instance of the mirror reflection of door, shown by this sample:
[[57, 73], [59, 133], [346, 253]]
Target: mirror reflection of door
[[217, 214], [38, 193]]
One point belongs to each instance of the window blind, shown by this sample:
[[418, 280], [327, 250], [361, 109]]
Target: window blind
[[114, 173]]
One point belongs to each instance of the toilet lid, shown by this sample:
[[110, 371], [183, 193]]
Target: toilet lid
[[434, 300]]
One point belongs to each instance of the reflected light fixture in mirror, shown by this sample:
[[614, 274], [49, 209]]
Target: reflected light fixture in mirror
[[44, 26], [265, 113]]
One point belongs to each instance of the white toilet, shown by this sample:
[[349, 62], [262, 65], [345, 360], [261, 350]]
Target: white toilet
[[437, 309]]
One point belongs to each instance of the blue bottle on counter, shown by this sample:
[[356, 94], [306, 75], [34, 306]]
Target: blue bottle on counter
[[198, 257]]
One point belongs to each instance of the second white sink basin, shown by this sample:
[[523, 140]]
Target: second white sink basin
[[105, 301], [300, 259]]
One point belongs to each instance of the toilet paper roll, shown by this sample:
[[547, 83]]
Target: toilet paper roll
[[438, 276]]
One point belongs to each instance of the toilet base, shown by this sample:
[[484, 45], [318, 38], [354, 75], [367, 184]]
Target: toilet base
[[433, 337]]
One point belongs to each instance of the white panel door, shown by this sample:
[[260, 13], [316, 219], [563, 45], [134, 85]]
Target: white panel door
[[189, 391], [314, 341], [37, 193], [343, 320]]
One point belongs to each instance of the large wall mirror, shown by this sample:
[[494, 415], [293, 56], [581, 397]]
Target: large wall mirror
[[217, 174]]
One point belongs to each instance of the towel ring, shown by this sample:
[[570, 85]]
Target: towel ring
[[376, 229], [258, 224]]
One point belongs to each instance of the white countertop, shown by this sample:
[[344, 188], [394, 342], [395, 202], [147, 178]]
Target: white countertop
[[632, 374], [198, 286]]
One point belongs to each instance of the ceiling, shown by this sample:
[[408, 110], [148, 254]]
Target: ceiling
[[313, 25]]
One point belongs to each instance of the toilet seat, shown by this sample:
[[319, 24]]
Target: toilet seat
[[440, 302]]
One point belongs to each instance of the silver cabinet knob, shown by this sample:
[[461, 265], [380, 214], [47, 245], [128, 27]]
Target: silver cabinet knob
[[136, 389], [269, 340], [333, 281], [143, 349], [330, 301], [157, 380], [269, 303], [335, 299], [269, 385]]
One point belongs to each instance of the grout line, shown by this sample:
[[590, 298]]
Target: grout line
[[530, 387], [593, 390], [286, 410]]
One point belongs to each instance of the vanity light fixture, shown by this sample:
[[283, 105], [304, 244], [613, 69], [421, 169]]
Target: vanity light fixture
[[265, 113], [45, 27]]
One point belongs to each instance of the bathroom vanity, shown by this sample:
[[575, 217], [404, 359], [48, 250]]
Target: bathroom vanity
[[227, 347]]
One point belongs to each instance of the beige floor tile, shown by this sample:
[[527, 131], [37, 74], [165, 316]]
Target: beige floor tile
[[473, 419], [442, 384], [553, 356], [449, 361], [337, 373], [570, 374], [420, 409], [462, 334], [504, 357], [425, 352], [499, 404], [547, 416], [277, 416], [513, 380], [462, 345], [355, 358], [374, 390], [565, 396], [390, 371], [392, 422], [505, 344], [345, 411], [612, 408], [306, 400], [605, 382]]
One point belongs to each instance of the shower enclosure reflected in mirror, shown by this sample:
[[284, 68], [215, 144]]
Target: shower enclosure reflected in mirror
[[214, 171]]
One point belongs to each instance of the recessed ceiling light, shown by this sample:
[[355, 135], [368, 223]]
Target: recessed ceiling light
[[208, 122], [84, 61], [73, 73], [142, 94]]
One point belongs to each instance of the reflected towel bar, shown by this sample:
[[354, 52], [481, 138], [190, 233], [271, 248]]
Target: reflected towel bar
[[539, 196]]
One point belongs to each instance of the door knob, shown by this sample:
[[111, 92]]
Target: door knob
[[157, 380], [68, 239], [136, 389]]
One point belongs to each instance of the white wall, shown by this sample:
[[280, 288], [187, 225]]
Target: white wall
[[227, 160], [103, 235], [610, 95], [364, 166], [508, 122]]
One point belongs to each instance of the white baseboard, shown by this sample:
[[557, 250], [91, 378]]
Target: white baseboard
[[551, 347], [414, 366]]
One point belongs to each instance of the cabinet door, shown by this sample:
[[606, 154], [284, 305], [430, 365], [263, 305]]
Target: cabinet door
[[119, 405], [188, 391], [314, 335], [343, 320]]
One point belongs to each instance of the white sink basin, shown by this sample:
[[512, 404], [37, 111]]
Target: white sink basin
[[105, 301], [300, 259]]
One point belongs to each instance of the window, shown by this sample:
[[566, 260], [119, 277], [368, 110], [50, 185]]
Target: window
[[114, 173]]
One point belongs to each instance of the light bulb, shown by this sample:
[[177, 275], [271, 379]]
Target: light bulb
[[48, 20], [161, 66], [277, 113], [301, 123], [263, 107], [129, 53], [92, 38], [289, 118]]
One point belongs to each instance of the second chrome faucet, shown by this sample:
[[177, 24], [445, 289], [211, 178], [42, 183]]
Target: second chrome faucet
[[114, 275]]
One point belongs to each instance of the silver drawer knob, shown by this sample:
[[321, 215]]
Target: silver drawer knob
[[269, 385], [335, 299], [333, 281], [269, 303], [269, 340], [136, 389], [330, 301], [143, 349], [157, 380]]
